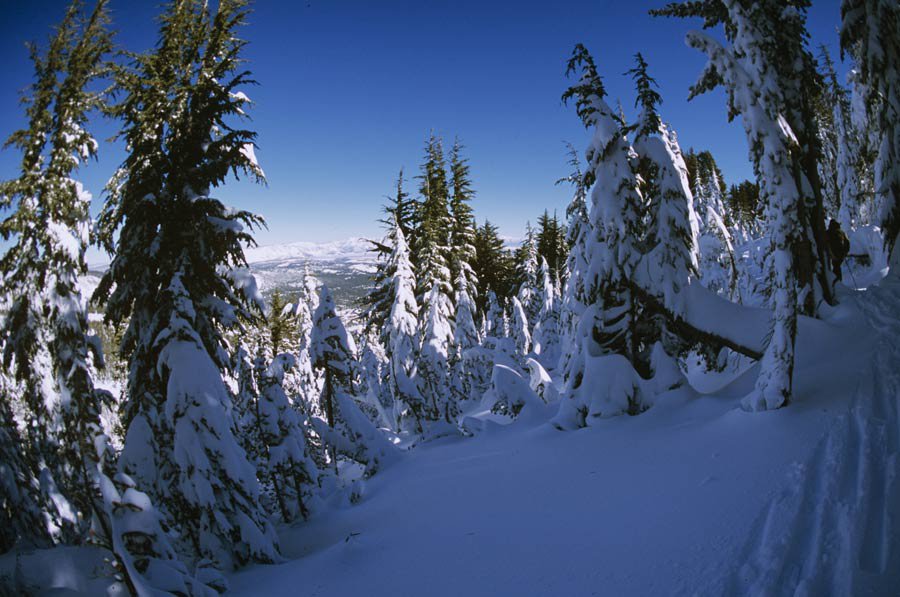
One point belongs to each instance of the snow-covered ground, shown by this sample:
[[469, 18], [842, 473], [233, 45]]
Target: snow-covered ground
[[694, 496]]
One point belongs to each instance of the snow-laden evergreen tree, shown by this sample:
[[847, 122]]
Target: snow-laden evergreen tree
[[462, 231], [671, 258], [520, 331], [400, 212], [747, 74], [346, 431], [431, 253], [21, 503], [717, 265], [301, 380], [496, 326], [612, 250], [529, 291], [793, 88], [288, 466], [493, 265], [465, 338], [870, 33], [375, 380], [434, 356], [574, 295], [546, 331], [551, 243], [176, 280], [400, 336], [52, 225]]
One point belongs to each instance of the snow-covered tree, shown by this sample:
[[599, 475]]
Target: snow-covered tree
[[670, 258], [176, 280], [431, 253], [434, 365], [346, 431], [717, 266], [465, 338], [546, 331], [529, 291], [613, 247], [747, 74], [870, 33], [288, 466], [574, 294], [462, 232], [520, 331], [400, 338]]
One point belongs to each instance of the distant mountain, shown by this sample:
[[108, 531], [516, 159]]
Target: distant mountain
[[345, 266]]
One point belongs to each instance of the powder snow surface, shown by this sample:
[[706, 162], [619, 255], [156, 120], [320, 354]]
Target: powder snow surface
[[694, 496]]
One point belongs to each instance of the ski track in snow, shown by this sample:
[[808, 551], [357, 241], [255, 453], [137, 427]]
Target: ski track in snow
[[832, 530]]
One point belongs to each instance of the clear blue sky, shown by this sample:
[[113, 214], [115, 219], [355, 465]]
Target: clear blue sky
[[349, 90]]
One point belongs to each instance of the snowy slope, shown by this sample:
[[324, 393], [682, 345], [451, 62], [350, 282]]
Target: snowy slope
[[692, 497]]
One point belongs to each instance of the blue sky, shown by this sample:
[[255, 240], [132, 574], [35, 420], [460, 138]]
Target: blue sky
[[349, 90]]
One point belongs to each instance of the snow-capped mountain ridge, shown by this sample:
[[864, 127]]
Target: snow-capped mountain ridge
[[350, 249]]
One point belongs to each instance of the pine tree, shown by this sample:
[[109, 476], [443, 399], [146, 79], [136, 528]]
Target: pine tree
[[434, 366], [546, 331], [551, 243], [520, 330], [754, 92], [465, 338], [288, 465], [671, 258], [400, 211], [795, 88], [527, 265], [870, 33], [431, 253], [574, 296], [462, 231], [176, 279], [493, 266], [612, 250], [346, 431], [400, 337]]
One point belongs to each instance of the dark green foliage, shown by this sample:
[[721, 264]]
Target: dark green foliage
[[552, 244], [493, 265], [462, 220]]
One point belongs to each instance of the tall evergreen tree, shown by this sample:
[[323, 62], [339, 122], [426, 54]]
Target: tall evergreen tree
[[431, 252], [791, 73], [612, 250], [493, 266], [671, 256], [346, 432], [434, 357], [748, 74], [400, 337], [175, 278], [870, 33], [400, 211], [462, 231]]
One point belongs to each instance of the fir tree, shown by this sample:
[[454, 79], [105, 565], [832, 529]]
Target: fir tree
[[288, 466], [400, 337], [791, 73], [175, 279], [346, 431], [462, 231], [870, 33], [493, 266], [742, 70], [431, 252], [434, 366]]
